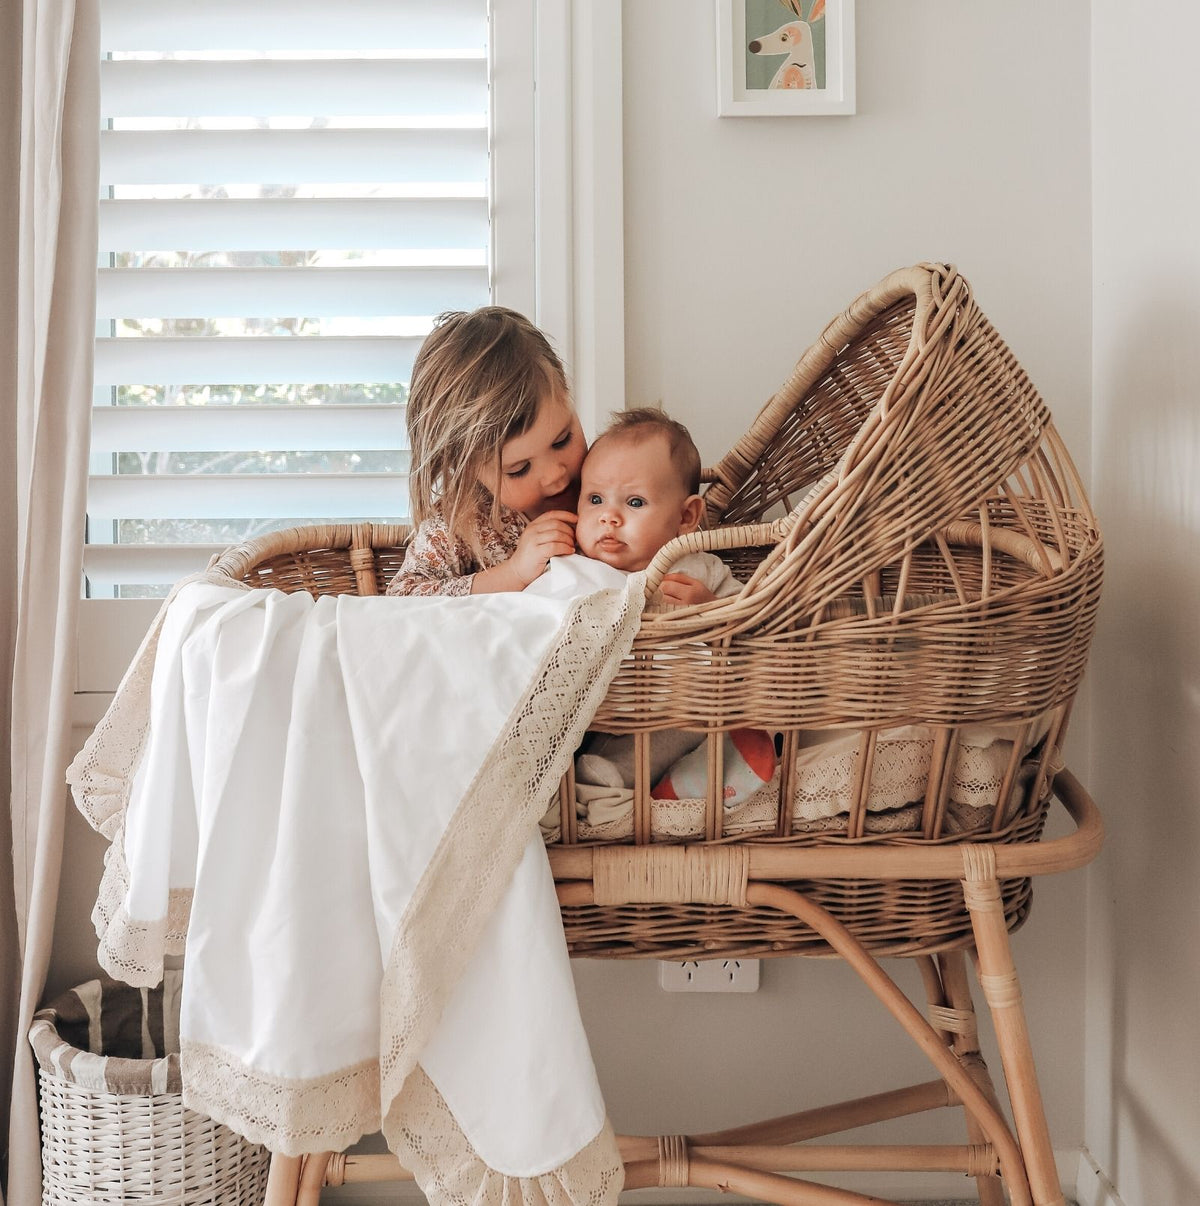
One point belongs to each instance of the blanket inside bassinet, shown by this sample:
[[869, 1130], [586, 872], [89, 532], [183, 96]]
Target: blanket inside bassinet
[[334, 802], [822, 787]]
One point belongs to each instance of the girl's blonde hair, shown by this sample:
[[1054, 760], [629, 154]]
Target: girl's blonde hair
[[477, 382]]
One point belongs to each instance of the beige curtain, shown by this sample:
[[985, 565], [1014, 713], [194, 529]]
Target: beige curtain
[[56, 57], [10, 82]]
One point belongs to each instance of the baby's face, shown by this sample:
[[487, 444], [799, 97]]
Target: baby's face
[[631, 502]]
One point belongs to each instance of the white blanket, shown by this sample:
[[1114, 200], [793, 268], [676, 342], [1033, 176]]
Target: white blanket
[[335, 803]]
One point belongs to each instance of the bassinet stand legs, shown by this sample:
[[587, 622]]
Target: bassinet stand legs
[[283, 1181], [1002, 993], [964, 1076], [297, 1180], [751, 1160], [952, 1014]]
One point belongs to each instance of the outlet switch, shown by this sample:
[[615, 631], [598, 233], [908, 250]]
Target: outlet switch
[[709, 975]]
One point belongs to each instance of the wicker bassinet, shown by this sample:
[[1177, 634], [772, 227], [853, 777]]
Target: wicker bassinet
[[921, 565]]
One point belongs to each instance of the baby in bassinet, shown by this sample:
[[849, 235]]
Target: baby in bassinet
[[639, 489]]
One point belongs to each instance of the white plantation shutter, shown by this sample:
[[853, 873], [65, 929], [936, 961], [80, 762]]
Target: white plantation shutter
[[291, 190]]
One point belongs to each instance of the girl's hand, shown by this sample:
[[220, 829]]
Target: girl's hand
[[549, 535], [680, 588]]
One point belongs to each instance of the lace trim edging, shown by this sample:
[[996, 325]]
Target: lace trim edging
[[423, 1132], [289, 1115]]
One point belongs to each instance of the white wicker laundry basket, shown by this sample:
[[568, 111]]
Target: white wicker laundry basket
[[114, 1127]]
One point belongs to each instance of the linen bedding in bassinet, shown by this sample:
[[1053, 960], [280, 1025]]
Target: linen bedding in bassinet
[[335, 802], [823, 787]]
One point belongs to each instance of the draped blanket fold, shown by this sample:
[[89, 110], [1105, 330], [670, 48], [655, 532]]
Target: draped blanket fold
[[333, 804]]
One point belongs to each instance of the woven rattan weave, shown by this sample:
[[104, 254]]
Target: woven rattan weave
[[919, 558]]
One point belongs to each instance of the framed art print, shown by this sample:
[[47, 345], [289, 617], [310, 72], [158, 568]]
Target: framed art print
[[785, 57]]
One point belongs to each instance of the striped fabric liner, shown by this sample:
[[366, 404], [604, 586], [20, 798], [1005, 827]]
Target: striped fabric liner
[[110, 1038]]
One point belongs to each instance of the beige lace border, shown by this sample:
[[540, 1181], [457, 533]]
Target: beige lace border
[[424, 1134]]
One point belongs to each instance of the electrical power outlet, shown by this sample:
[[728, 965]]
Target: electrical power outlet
[[709, 975]]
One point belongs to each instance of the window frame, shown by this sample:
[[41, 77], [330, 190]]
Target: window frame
[[570, 275]]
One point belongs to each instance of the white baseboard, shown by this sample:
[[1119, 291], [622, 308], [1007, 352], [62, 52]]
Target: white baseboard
[[913, 1187], [1092, 1187]]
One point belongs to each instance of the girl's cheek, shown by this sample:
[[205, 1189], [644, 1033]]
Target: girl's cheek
[[511, 495]]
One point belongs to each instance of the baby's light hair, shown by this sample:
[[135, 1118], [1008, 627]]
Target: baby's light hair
[[477, 382], [643, 423]]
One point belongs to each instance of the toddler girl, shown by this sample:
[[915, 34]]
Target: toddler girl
[[496, 451]]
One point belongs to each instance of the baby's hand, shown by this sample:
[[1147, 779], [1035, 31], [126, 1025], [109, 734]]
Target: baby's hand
[[680, 588], [549, 535]]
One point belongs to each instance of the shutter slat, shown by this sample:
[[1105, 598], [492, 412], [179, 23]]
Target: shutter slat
[[296, 360], [283, 88], [289, 157], [280, 25], [293, 223], [248, 428], [311, 292], [238, 495]]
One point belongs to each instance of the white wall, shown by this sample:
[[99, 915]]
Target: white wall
[[1143, 1045], [743, 236]]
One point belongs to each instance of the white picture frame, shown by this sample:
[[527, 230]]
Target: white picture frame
[[783, 84]]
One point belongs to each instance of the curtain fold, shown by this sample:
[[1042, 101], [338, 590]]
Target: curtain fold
[[10, 142], [56, 241]]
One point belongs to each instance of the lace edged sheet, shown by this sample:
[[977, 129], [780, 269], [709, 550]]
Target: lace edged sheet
[[101, 779], [101, 776], [486, 836], [130, 949], [420, 1128], [289, 1115], [423, 1133], [481, 848]]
